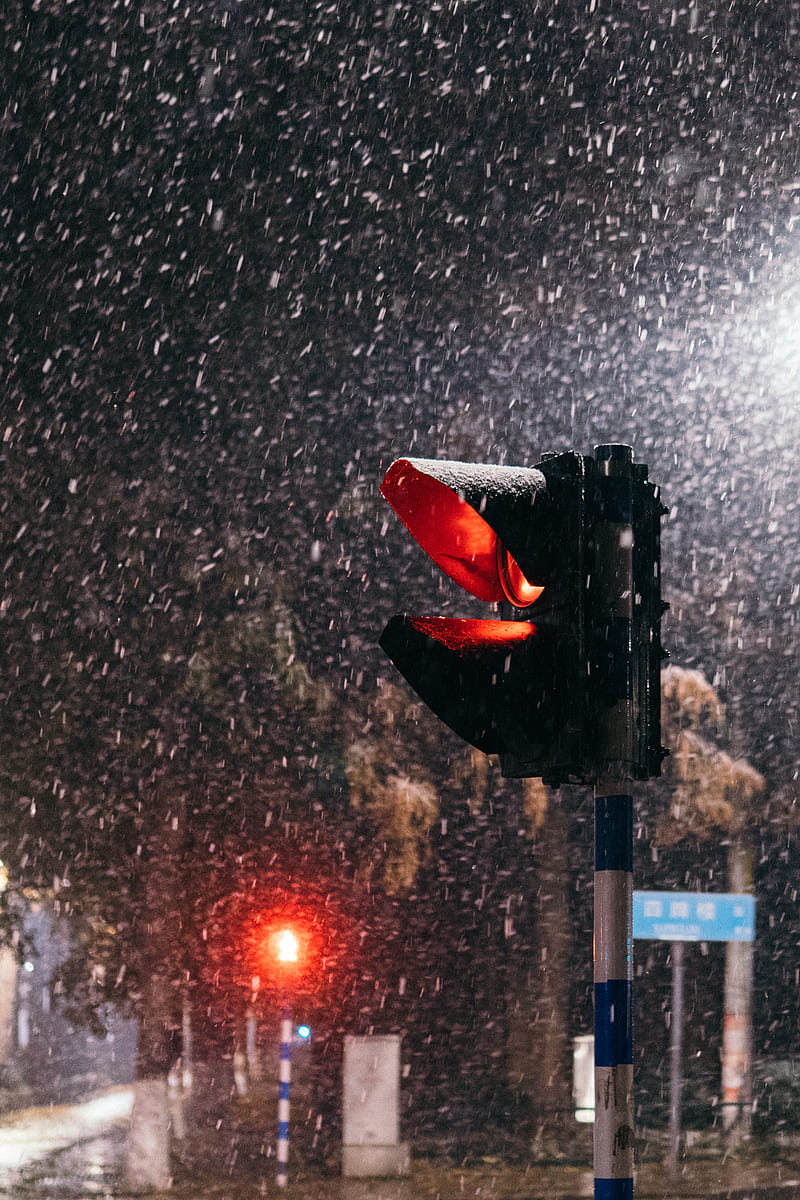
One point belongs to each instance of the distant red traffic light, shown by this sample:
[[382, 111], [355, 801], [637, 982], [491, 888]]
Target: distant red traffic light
[[286, 946], [285, 949]]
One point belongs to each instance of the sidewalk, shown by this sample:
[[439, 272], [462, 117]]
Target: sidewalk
[[731, 1182], [696, 1179]]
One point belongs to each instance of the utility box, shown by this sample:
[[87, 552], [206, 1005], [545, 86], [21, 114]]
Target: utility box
[[371, 1118]]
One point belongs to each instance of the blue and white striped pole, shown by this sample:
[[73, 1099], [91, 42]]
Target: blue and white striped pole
[[613, 986], [284, 1083], [613, 878]]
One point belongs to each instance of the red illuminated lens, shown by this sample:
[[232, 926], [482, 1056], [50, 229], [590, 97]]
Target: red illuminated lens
[[449, 530], [516, 587], [287, 947], [465, 635], [455, 536]]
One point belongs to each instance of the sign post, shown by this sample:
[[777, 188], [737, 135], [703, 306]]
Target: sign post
[[680, 917], [675, 1058]]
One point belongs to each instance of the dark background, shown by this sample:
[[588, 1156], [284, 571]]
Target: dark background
[[258, 251]]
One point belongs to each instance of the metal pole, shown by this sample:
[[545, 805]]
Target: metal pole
[[737, 1030], [284, 1082], [675, 1058], [613, 985], [613, 879]]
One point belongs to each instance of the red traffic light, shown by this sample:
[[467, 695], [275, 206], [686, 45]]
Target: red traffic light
[[536, 540], [447, 507], [514, 536], [286, 946]]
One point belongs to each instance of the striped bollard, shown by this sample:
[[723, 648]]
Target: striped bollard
[[613, 986], [284, 1081]]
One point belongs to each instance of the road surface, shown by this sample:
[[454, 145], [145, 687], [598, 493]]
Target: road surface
[[75, 1152]]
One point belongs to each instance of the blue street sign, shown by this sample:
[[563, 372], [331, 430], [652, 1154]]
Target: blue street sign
[[694, 916]]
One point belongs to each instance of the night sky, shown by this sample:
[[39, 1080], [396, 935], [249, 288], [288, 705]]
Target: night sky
[[273, 247]]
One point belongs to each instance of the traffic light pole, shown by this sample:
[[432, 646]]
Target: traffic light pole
[[613, 981], [574, 694], [284, 1082], [613, 879]]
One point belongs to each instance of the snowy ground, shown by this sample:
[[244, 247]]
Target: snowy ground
[[74, 1152], [34, 1134]]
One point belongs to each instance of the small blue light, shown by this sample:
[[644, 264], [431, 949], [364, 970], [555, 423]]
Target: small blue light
[[304, 1032]]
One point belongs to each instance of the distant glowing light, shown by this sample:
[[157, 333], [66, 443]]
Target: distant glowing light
[[759, 349], [287, 947], [284, 947], [776, 342], [304, 1032]]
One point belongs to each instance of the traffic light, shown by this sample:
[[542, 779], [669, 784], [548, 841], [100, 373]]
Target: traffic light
[[544, 683], [286, 946], [285, 950]]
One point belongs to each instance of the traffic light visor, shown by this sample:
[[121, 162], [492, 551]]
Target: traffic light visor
[[447, 508], [487, 680]]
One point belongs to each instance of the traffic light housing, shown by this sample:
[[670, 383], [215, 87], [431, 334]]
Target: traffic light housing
[[541, 685]]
